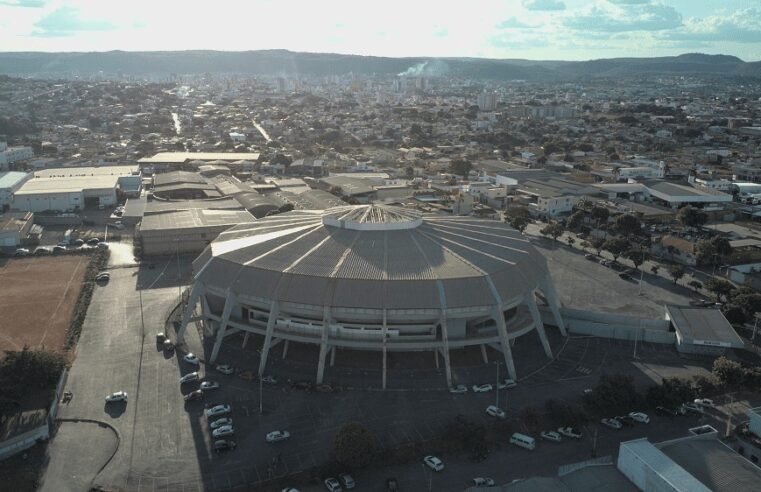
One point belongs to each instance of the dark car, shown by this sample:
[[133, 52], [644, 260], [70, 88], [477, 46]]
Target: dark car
[[93, 241], [665, 411], [194, 395], [626, 420], [392, 485], [625, 276], [223, 445]]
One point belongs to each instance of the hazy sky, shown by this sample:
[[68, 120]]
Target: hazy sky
[[536, 29]]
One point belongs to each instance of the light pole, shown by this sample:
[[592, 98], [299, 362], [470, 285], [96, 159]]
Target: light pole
[[755, 326], [496, 388], [179, 280]]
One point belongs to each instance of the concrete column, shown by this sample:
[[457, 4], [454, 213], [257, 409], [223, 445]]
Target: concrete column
[[534, 310], [447, 366], [499, 317], [483, 354], [332, 356], [274, 313], [195, 294], [245, 339], [436, 356], [285, 349], [384, 335], [230, 302], [323, 345], [552, 299]]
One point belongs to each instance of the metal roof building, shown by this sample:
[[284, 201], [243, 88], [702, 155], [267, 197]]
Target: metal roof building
[[702, 330], [373, 277]]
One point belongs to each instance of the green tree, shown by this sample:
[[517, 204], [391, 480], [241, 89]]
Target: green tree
[[531, 419], [354, 445], [691, 217], [616, 247], [553, 230], [627, 224], [636, 256], [600, 214], [571, 241], [519, 223], [728, 372], [696, 285], [598, 244], [613, 395], [720, 287], [575, 220], [409, 172], [654, 269], [676, 272], [460, 167], [26, 370]]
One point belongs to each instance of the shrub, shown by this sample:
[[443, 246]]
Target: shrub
[[354, 445]]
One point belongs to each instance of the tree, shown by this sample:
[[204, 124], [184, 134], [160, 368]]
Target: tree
[[691, 217], [25, 370], [554, 230], [598, 244], [613, 395], [654, 269], [519, 223], [460, 167], [409, 172], [616, 247], [719, 287], [575, 219], [628, 224], [531, 420], [571, 241], [671, 393], [585, 244], [676, 272], [728, 372], [696, 285], [636, 256], [354, 445], [600, 214]]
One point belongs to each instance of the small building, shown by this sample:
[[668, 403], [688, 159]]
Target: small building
[[9, 183], [702, 331], [14, 228]]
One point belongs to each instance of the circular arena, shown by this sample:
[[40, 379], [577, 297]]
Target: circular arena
[[373, 277]]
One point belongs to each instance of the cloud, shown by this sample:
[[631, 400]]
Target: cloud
[[629, 2], [629, 17], [742, 26], [544, 5], [66, 21], [24, 3], [441, 33], [513, 23]]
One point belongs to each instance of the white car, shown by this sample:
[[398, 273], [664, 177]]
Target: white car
[[225, 369], [347, 481], [118, 396], [218, 410], [495, 411], [550, 436], [269, 380], [569, 432], [191, 358], [189, 377], [640, 417], [506, 384], [483, 482], [222, 431], [704, 402], [332, 485], [103, 276], [612, 423], [22, 252], [433, 463], [460, 388], [102, 245], [221, 422], [277, 436], [209, 385], [482, 388]]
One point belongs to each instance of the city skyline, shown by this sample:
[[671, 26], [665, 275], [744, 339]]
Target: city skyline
[[530, 29]]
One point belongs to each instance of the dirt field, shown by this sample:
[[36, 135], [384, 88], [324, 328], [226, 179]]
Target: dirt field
[[37, 298]]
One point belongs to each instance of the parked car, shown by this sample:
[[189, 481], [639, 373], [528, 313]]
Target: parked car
[[612, 423], [269, 380], [221, 422], [550, 436], [460, 388], [392, 485], [665, 411], [225, 430], [324, 388], [42, 250], [222, 445], [482, 388], [93, 241], [102, 245], [433, 463], [22, 252], [347, 481], [570, 432], [218, 410], [506, 384], [225, 369], [59, 249], [332, 485], [78, 242], [191, 358], [118, 396], [693, 407], [168, 345], [277, 436], [495, 411], [194, 395], [640, 417], [590, 257], [189, 377], [103, 277], [160, 337], [483, 482], [209, 385], [706, 402]]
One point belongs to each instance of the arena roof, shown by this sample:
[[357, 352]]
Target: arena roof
[[329, 257]]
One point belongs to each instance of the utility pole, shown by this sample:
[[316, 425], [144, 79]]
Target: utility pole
[[642, 272], [261, 393], [496, 388], [179, 280], [755, 326], [636, 337]]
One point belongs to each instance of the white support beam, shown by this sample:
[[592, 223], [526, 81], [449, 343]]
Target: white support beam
[[274, 313], [384, 334], [230, 303], [538, 325], [245, 339], [323, 344], [195, 294], [499, 318], [552, 299], [285, 349], [332, 356], [483, 354], [445, 338]]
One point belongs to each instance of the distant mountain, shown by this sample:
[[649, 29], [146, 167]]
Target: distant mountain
[[288, 63]]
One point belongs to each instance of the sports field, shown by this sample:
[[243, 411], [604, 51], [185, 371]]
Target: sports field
[[37, 298]]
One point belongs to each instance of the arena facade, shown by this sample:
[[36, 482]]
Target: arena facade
[[373, 277]]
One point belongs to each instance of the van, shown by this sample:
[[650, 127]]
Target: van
[[523, 441]]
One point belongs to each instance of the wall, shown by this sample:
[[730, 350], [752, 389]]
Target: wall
[[616, 326]]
